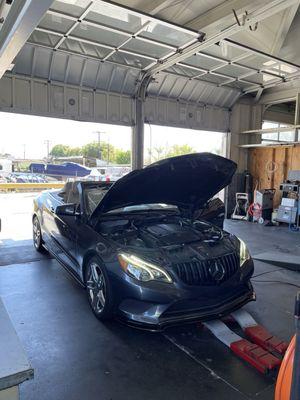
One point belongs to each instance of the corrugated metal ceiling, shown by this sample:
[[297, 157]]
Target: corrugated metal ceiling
[[103, 46]]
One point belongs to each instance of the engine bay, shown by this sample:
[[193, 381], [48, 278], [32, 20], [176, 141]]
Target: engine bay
[[158, 231]]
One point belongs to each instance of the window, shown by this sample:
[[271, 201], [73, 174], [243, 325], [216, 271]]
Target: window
[[278, 136]]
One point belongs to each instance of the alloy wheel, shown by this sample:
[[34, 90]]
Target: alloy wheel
[[36, 233], [96, 287]]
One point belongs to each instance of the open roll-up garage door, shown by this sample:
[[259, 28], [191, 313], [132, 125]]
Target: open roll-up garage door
[[88, 60]]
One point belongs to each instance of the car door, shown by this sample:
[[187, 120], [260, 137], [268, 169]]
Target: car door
[[64, 238], [65, 227], [49, 205]]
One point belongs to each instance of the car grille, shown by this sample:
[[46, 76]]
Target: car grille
[[207, 272]]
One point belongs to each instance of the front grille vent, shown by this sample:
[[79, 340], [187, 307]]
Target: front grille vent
[[207, 272]]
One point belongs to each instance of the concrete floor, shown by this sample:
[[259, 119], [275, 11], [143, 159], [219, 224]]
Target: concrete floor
[[77, 357]]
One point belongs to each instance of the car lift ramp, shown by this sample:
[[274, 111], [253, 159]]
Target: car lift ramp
[[261, 349]]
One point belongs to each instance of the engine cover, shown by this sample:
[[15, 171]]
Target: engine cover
[[170, 234]]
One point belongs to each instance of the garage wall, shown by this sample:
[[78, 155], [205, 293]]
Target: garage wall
[[269, 166], [245, 116], [181, 114], [32, 96], [281, 117]]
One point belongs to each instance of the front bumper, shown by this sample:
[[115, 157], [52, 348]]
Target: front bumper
[[155, 306], [156, 317]]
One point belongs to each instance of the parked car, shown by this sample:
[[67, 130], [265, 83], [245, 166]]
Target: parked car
[[138, 249], [24, 177]]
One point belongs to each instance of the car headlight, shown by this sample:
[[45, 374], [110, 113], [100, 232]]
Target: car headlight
[[244, 252], [142, 270]]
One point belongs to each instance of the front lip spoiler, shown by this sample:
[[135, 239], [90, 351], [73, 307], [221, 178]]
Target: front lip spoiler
[[200, 316]]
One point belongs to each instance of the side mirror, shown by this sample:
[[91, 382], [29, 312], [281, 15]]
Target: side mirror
[[67, 209]]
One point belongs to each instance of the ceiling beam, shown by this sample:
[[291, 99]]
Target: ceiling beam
[[217, 13], [260, 14], [155, 6], [281, 96], [23, 17], [282, 30]]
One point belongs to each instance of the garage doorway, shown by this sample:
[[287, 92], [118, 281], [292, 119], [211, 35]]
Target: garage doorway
[[165, 141], [28, 139]]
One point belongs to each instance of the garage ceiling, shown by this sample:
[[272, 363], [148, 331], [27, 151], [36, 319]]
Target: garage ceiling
[[195, 51], [102, 45]]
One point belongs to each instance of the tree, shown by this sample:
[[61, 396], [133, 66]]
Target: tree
[[179, 150], [157, 154], [60, 150], [122, 156], [92, 150], [75, 151], [108, 151]]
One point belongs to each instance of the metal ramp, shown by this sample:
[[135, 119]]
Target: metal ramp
[[260, 348]]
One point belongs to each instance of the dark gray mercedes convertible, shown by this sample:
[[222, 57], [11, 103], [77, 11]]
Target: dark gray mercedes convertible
[[150, 248]]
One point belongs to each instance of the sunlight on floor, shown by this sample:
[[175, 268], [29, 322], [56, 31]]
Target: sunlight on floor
[[15, 213]]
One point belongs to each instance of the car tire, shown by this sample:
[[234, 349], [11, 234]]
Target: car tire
[[37, 236], [99, 290]]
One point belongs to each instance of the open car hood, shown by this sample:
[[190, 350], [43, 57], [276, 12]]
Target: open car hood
[[187, 181]]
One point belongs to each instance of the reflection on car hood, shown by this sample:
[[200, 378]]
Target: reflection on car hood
[[186, 181]]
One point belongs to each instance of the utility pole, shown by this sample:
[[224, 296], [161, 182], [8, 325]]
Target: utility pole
[[99, 143], [108, 149], [47, 143], [24, 151]]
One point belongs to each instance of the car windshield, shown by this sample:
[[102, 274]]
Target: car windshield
[[94, 195]]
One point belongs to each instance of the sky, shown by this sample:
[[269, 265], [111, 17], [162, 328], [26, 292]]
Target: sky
[[28, 133]]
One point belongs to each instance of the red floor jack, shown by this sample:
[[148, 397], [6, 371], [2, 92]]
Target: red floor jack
[[263, 350], [288, 381]]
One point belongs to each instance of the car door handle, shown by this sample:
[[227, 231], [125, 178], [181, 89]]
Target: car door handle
[[52, 209]]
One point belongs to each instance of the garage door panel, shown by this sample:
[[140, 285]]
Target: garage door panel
[[87, 104], [114, 108], [57, 100], [172, 111], [59, 66], [42, 62], [90, 74], [168, 112], [151, 109], [40, 97], [74, 70], [6, 95], [72, 102], [100, 107], [126, 110], [22, 94], [162, 111]]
